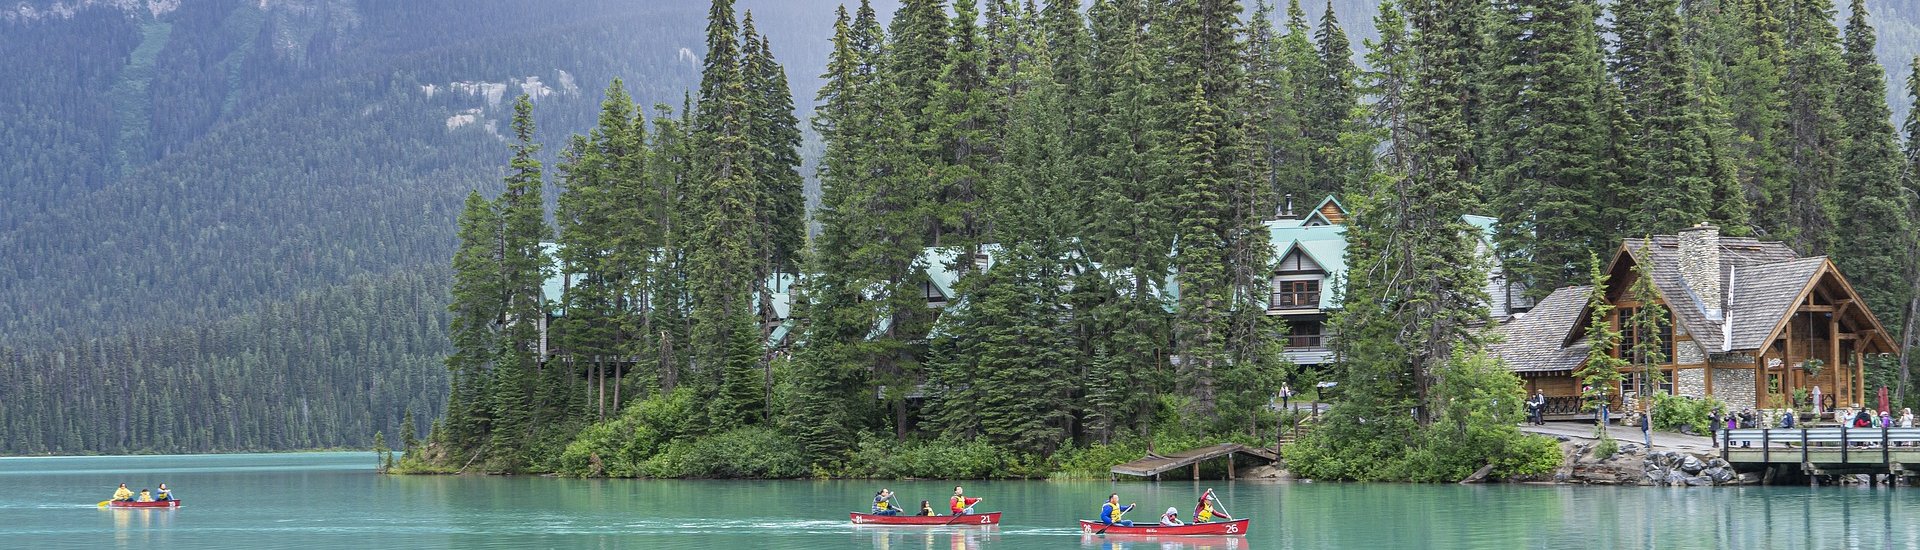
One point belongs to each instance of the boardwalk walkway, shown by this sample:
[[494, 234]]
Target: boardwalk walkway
[[1154, 464], [1667, 441], [1826, 451]]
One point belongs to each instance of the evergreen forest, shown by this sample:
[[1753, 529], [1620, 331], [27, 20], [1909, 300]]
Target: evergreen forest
[[1095, 179]]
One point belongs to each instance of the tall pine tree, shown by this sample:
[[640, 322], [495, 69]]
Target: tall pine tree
[[1544, 139], [1871, 204]]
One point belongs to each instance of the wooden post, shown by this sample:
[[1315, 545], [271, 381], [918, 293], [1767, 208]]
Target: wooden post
[[1803, 445], [1229, 466], [1833, 349], [1860, 371], [1196, 470]]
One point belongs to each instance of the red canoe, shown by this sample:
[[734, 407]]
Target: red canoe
[[154, 504], [1232, 528], [989, 518]]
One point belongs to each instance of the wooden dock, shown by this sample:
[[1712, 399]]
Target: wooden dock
[[1154, 465], [1825, 451]]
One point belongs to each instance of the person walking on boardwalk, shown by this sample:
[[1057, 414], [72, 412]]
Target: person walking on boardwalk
[[1111, 512], [960, 503], [123, 494]]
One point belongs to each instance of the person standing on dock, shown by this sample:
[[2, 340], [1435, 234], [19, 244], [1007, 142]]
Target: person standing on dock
[[1713, 425]]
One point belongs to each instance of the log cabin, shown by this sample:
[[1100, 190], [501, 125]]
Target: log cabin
[[1751, 322]]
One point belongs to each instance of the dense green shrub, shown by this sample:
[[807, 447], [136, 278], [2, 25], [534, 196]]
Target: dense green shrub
[[620, 446], [1473, 426], [1606, 448], [1670, 412], [937, 459], [755, 452]]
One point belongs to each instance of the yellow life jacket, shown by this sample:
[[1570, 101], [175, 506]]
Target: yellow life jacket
[[1205, 515]]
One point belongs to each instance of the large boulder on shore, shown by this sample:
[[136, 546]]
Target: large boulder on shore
[[1692, 464], [1720, 476]]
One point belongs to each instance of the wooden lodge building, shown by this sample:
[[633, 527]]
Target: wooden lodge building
[[1749, 318]]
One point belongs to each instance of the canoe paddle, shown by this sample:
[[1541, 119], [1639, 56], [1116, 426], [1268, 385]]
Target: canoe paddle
[[1218, 506], [963, 506], [1117, 514], [103, 503]]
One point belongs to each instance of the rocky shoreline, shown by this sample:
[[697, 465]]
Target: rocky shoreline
[[1633, 465]]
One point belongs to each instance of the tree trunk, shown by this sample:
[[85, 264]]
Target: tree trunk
[[1907, 341]]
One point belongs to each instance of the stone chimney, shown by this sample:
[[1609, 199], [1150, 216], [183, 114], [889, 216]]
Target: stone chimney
[[1700, 266]]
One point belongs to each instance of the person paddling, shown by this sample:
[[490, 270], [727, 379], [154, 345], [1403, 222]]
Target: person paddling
[[883, 504], [1111, 512], [122, 494], [960, 504], [1204, 511]]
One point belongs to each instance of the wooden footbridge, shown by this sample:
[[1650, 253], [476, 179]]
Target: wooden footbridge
[[1825, 451], [1154, 464]]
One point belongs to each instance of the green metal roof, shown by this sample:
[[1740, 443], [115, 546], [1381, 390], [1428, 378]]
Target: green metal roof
[[1324, 244], [1483, 223]]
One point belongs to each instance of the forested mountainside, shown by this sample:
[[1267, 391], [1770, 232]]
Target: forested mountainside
[[180, 173]]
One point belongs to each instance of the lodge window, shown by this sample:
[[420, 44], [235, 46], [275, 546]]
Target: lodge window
[[1305, 334], [932, 293], [1633, 382], [1631, 336], [1296, 294]]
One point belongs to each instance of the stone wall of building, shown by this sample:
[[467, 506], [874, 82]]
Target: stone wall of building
[[1690, 382], [1735, 387], [1688, 352]]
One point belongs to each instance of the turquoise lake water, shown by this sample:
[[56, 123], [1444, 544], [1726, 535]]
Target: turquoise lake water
[[335, 501]]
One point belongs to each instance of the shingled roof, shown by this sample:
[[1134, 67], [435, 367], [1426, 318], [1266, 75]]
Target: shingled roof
[[1531, 343], [1772, 270], [1762, 294]]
